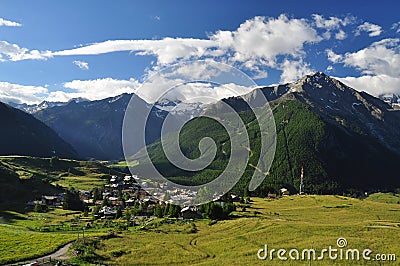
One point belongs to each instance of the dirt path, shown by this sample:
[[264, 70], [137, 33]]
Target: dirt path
[[60, 254]]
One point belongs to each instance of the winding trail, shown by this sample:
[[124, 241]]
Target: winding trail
[[60, 254]]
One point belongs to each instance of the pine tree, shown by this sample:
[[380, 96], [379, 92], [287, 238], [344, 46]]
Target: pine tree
[[158, 211], [72, 201]]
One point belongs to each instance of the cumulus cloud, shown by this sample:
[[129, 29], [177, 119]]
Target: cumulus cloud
[[293, 70], [94, 89], [89, 89], [379, 85], [340, 35], [333, 57], [189, 80], [8, 23], [264, 39], [82, 64], [379, 64], [258, 40], [256, 45], [17, 93], [373, 30], [13, 52], [332, 24], [204, 92], [382, 57]]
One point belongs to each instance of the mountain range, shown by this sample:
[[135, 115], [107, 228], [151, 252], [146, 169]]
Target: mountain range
[[342, 137], [94, 128]]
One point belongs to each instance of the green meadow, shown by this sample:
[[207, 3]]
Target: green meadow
[[300, 222], [25, 178]]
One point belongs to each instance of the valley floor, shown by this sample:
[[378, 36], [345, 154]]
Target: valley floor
[[295, 222]]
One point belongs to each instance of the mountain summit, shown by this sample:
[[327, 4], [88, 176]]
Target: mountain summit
[[343, 138], [343, 106]]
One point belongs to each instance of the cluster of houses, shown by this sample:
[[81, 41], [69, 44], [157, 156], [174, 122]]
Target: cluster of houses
[[125, 192], [50, 201]]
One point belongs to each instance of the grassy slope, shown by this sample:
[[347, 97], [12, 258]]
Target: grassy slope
[[292, 222], [24, 178], [385, 198], [22, 134], [21, 238]]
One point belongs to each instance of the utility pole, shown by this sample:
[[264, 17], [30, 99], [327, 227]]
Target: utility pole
[[79, 223], [301, 181]]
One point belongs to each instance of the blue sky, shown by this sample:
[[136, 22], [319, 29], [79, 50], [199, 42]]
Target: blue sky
[[57, 50]]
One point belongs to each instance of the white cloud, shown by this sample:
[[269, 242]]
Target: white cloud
[[15, 53], [379, 64], [207, 92], [262, 40], [340, 35], [197, 70], [167, 50], [82, 65], [88, 89], [378, 85], [293, 70], [17, 93], [382, 57], [254, 45], [184, 81], [332, 56], [372, 29], [257, 44], [396, 27], [332, 24], [260, 74], [259, 40], [8, 23], [94, 89]]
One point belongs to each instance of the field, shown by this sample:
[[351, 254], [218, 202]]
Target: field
[[300, 222], [291, 222], [23, 236], [31, 235], [17, 244], [121, 165], [25, 178]]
